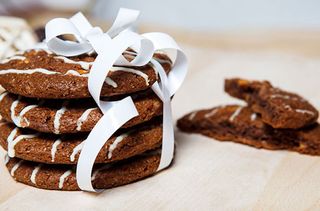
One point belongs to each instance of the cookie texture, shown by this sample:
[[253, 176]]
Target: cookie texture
[[52, 149], [278, 108], [69, 116], [242, 125], [63, 177], [42, 74]]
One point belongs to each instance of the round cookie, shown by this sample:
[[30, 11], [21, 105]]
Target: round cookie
[[62, 177], [69, 116], [42, 74], [47, 148]]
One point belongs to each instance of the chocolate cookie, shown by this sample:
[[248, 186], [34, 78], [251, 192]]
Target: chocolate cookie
[[63, 177], [242, 125], [48, 148], [72, 116], [278, 108], [41, 74]]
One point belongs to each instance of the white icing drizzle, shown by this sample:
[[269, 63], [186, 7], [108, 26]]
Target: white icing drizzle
[[54, 149], [288, 107], [11, 137], [75, 151], [111, 82], [6, 159], [304, 111], [114, 144], [192, 115], [17, 57], [95, 173], [287, 97], [83, 64], [253, 117], [15, 119], [83, 118], [211, 113], [130, 70], [76, 73], [63, 178], [22, 113], [15, 167], [3, 123], [11, 144], [3, 95], [34, 174], [30, 71], [57, 117], [235, 114], [132, 55]]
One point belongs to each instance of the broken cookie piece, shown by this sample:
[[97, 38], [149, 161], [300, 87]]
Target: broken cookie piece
[[242, 125], [278, 108]]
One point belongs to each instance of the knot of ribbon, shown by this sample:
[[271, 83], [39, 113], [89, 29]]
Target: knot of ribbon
[[109, 47]]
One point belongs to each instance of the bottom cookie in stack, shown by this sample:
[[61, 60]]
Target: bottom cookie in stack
[[63, 177]]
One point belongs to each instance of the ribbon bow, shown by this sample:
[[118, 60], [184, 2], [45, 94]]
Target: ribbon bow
[[109, 47]]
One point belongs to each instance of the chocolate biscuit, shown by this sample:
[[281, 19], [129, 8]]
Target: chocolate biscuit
[[278, 108], [72, 116], [242, 125], [63, 177], [42, 74], [52, 149]]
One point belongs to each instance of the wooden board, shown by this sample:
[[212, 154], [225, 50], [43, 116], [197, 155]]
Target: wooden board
[[207, 174]]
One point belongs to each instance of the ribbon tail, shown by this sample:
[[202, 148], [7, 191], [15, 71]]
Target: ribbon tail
[[117, 115]]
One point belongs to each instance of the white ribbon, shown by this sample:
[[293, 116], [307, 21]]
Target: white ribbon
[[109, 47]]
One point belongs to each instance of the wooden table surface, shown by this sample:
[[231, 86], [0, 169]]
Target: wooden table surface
[[207, 174]]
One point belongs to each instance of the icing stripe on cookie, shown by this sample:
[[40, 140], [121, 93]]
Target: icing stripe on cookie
[[235, 114], [63, 178], [83, 118], [54, 149], [73, 72], [34, 174], [83, 64], [29, 71], [3, 95], [14, 118], [253, 117], [192, 115], [11, 137], [211, 113], [111, 82], [75, 151], [304, 111], [23, 112], [57, 117], [15, 167], [95, 173], [17, 57], [113, 146], [6, 159], [134, 71], [287, 97], [12, 144]]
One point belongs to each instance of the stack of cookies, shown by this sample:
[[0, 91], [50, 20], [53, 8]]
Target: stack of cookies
[[273, 119], [48, 112]]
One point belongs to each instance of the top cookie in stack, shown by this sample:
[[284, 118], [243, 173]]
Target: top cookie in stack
[[48, 112]]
